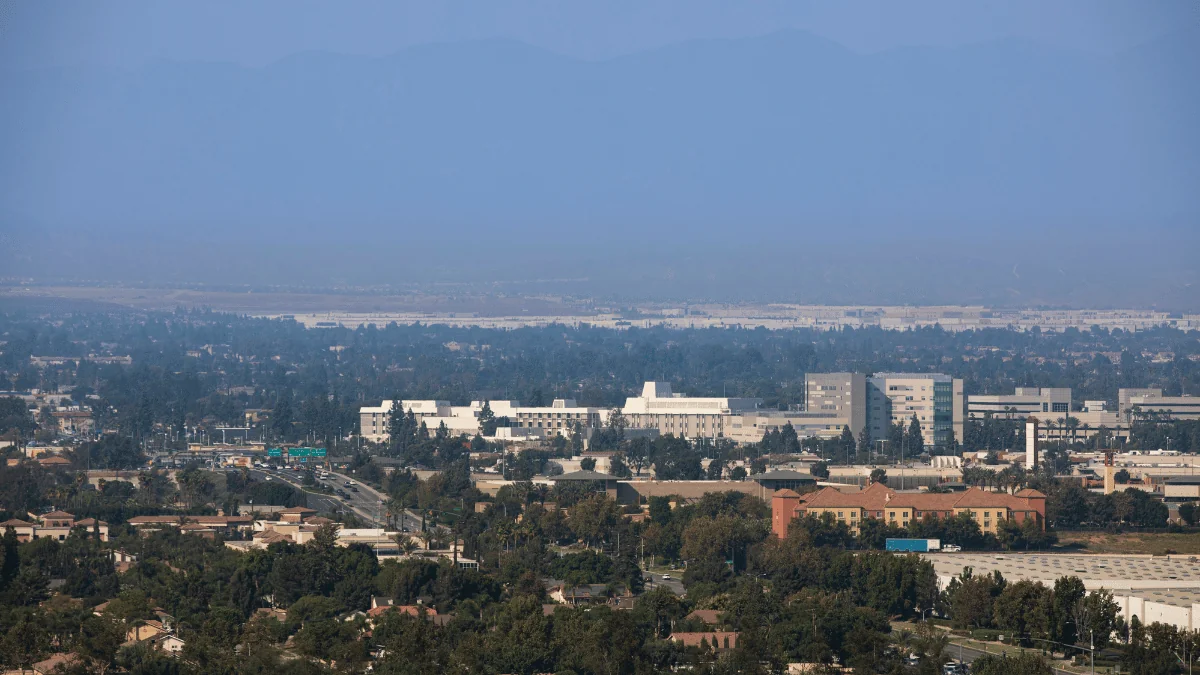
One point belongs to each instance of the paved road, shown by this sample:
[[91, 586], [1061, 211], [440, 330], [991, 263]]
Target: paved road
[[655, 580], [362, 503], [367, 502], [969, 654]]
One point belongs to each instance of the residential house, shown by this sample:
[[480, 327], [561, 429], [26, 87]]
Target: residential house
[[295, 514], [93, 526], [718, 640], [54, 462], [57, 663], [56, 525], [219, 523], [23, 529], [711, 617], [74, 422]]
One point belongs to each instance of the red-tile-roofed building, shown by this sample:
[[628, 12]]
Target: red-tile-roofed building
[[717, 640], [989, 509], [24, 530]]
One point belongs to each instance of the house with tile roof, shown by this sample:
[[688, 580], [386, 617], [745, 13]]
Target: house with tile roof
[[23, 529], [94, 526], [296, 514], [717, 640], [56, 663], [878, 501]]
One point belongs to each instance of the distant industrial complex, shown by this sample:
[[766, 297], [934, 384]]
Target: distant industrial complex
[[778, 317]]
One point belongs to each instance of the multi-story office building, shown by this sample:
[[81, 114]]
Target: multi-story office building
[[844, 395], [1130, 402], [373, 420], [833, 402], [1023, 402], [660, 408], [750, 427], [937, 401], [559, 418]]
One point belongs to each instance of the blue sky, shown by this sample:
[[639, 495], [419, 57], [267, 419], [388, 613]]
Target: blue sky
[[131, 32]]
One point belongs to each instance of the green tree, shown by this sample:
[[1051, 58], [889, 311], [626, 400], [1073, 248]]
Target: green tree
[[487, 420], [819, 470], [595, 519], [1023, 663], [1188, 513], [1023, 610], [914, 439]]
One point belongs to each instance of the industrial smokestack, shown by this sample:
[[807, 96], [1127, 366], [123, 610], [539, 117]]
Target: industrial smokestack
[[1031, 444]]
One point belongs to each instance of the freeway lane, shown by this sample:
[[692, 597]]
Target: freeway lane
[[969, 654], [359, 503]]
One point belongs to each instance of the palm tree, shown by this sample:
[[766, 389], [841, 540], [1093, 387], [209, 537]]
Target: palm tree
[[1073, 425], [405, 543], [932, 642]]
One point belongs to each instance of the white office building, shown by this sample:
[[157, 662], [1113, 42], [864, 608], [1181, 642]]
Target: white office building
[[1023, 402], [1131, 402], [936, 400], [660, 408], [559, 418]]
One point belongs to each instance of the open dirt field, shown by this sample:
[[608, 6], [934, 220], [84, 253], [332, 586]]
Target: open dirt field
[[1155, 543]]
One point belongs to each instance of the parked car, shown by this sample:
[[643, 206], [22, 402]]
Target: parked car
[[951, 548]]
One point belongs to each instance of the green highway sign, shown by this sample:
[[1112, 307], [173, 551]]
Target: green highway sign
[[275, 452], [306, 452]]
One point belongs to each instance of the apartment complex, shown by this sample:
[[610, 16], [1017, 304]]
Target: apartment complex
[[936, 400], [989, 509], [1023, 402], [1146, 401]]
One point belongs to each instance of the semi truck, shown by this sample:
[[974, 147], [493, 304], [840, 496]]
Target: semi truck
[[914, 545]]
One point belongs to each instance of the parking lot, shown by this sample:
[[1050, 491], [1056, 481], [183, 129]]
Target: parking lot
[[1114, 572]]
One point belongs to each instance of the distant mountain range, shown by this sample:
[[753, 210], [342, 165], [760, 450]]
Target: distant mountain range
[[703, 166]]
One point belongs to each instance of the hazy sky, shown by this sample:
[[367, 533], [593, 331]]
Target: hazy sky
[[255, 32], [993, 151]]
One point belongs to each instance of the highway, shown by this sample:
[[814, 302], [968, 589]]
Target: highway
[[364, 503], [966, 653], [969, 654]]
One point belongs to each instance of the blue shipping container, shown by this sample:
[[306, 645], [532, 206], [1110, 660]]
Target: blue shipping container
[[917, 545]]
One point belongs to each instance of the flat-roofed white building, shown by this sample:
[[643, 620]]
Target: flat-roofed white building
[[1023, 402], [1131, 402], [690, 417], [557, 418]]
